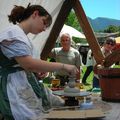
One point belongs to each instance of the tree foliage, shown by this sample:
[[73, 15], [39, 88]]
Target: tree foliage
[[112, 29], [73, 21]]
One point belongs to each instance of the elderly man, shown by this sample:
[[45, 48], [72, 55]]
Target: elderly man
[[66, 54]]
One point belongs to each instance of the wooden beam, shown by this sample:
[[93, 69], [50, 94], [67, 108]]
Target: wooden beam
[[112, 58], [87, 29], [65, 9]]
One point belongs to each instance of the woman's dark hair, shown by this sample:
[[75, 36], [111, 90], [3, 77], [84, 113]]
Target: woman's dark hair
[[19, 13]]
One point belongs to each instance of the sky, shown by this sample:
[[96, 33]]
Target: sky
[[102, 8]]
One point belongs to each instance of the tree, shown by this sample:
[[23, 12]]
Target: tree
[[72, 21], [112, 29]]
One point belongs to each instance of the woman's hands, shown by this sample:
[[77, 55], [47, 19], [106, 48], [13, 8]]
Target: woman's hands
[[71, 69]]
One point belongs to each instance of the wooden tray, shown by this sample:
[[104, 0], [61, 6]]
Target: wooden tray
[[76, 114]]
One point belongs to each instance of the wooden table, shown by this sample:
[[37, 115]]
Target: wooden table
[[114, 113], [112, 110]]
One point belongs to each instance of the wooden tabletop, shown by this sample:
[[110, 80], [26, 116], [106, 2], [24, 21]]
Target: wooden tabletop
[[111, 110], [114, 113]]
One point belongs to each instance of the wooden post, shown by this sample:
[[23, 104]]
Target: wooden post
[[65, 10], [94, 45]]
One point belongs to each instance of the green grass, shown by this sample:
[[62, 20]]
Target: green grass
[[89, 79]]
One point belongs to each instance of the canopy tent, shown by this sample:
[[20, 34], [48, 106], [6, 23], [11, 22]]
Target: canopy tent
[[52, 6], [72, 31], [117, 40], [59, 9]]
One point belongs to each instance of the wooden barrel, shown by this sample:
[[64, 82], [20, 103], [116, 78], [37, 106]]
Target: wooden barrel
[[110, 83]]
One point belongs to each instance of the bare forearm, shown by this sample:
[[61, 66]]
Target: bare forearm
[[37, 65], [44, 66]]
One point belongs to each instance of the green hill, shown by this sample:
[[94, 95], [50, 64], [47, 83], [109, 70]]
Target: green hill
[[101, 23]]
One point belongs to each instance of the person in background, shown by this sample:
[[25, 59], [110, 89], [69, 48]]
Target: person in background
[[108, 46], [106, 49], [21, 96], [89, 67], [68, 55]]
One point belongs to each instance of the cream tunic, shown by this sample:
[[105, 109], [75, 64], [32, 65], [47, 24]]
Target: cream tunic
[[24, 103]]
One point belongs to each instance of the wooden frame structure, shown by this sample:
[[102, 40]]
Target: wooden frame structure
[[83, 21]]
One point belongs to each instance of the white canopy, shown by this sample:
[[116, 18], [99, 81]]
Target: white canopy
[[72, 31], [52, 6]]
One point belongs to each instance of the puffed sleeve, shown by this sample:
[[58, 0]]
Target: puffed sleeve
[[15, 49]]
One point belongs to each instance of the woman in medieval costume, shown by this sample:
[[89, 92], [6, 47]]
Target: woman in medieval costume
[[21, 97]]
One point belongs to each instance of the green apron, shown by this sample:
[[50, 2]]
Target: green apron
[[6, 68]]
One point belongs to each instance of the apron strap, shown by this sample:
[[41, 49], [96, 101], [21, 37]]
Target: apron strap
[[38, 89]]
